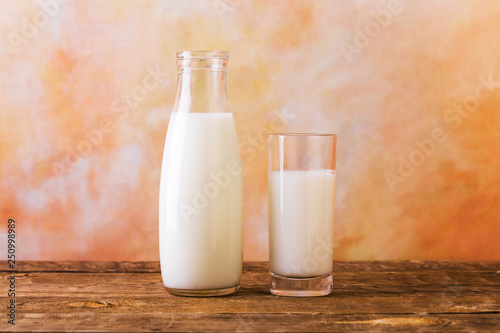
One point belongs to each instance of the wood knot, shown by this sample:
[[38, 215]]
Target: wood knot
[[97, 304], [91, 305]]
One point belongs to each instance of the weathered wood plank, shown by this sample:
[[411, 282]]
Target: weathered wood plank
[[339, 266], [443, 278], [319, 322], [263, 304], [365, 284]]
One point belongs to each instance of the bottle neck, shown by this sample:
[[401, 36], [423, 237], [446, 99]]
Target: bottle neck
[[202, 91]]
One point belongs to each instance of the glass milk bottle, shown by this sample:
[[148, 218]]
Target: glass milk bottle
[[201, 190]]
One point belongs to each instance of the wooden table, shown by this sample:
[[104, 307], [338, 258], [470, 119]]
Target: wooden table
[[129, 296]]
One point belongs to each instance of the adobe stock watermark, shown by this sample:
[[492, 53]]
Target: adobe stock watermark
[[427, 146], [223, 6], [454, 294], [202, 197], [30, 27], [322, 253], [363, 36], [450, 292], [121, 108], [11, 263], [251, 146]]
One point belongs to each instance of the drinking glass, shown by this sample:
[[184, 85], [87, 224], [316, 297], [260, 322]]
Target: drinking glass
[[301, 183]]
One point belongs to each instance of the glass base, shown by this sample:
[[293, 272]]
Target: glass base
[[300, 287], [202, 292]]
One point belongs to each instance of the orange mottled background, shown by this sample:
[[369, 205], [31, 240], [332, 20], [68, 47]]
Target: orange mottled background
[[81, 139]]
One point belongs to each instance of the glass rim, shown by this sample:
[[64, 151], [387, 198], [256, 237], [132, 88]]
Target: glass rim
[[304, 134], [202, 54]]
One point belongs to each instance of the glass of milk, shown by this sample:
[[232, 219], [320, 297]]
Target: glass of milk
[[201, 190], [301, 182]]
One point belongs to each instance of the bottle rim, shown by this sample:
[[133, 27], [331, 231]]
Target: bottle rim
[[202, 55]]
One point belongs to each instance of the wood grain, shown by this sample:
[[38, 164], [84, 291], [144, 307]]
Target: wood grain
[[340, 266], [129, 296]]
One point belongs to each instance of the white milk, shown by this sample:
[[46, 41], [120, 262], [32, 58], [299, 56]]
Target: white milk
[[201, 203], [301, 222]]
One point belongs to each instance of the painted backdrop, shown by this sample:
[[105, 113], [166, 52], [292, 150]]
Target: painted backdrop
[[412, 89]]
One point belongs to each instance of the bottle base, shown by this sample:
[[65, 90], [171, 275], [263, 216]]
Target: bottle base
[[300, 287], [202, 292]]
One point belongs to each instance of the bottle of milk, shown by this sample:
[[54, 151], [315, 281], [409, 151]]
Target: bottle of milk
[[201, 190]]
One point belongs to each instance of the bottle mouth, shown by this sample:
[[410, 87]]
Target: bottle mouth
[[213, 61], [201, 55]]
